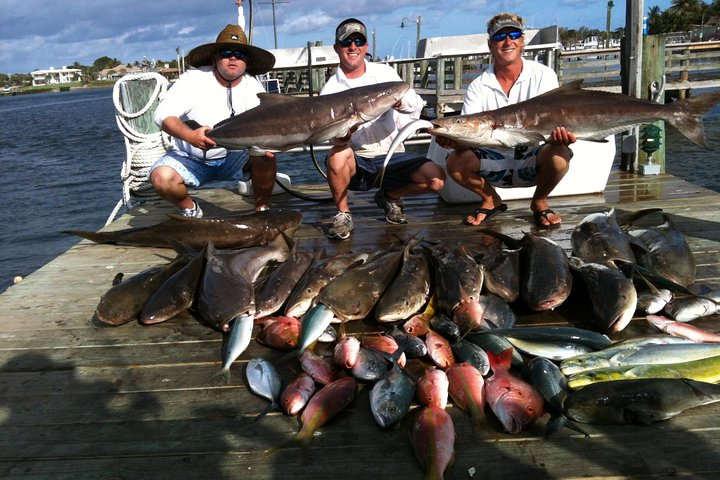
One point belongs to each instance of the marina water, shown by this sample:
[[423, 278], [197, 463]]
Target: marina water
[[61, 155]]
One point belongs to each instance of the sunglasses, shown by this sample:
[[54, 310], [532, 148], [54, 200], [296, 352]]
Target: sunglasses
[[231, 53], [499, 37], [358, 41]]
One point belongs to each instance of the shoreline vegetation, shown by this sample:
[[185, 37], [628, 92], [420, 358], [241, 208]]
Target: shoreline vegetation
[[63, 87]]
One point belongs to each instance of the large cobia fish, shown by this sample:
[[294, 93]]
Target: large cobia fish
[[281, 122], [599, 239], [352, 294], [664, 250], [642, 401], [590, 114], [408, 292], [612, 294], [234, 231], [123, 302]]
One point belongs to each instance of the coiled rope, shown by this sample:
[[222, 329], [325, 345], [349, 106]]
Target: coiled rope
[[143, 148]]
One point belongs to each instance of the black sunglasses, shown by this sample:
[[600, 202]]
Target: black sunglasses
[[499, 37], [358, 41], [231, 53]]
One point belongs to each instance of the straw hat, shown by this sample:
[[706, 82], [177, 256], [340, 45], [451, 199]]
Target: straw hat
[[233, 37]]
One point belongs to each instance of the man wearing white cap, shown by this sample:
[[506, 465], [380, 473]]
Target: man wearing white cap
[[355, 163], [509, 80]]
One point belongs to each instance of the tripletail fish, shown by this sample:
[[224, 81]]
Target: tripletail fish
[[640, 401]]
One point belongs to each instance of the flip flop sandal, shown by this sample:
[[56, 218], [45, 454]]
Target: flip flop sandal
[[488, 212], [538, 216]]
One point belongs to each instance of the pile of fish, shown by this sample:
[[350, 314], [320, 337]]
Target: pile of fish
[[445, 319]]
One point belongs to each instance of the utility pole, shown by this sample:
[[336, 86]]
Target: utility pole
[[273, 2], [610, 5]]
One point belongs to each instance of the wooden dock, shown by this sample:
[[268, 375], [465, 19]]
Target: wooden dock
[[82, 401]]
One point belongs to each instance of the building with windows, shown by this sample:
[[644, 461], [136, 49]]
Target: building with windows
[[56, 76]]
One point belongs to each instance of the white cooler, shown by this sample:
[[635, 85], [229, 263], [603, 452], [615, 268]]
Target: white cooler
[[589, 171]]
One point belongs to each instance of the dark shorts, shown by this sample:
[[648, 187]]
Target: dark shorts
[[397, 172]]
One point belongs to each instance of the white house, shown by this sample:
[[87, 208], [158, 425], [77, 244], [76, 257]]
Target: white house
[[55, 76]]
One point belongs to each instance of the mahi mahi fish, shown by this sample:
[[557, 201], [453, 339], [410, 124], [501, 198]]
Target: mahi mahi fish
[[281, 122], [590, 114], [232, 231]]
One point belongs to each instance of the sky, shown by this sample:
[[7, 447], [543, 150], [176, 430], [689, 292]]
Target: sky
[[39, 34]]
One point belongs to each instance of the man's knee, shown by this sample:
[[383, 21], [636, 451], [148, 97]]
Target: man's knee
[[163, 177]]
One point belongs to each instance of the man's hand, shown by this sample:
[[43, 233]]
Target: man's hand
[[199, 138], [560, 136]]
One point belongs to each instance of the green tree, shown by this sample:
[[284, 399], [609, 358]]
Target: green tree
[[106, 62]]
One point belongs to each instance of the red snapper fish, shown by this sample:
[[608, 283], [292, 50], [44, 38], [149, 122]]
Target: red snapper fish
[[514, 402], [467, 389], [432, 388], [432, 437]]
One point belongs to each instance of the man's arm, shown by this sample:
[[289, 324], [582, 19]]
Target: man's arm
[[177, 128]]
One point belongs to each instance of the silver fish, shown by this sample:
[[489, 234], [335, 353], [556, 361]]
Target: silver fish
[[391, 396], [237, 342], [264, 380]]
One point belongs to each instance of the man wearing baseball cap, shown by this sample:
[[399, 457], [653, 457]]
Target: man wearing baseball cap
[[355, 163], [221, 85], [510, 79]]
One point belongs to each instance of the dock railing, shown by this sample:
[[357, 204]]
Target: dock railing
[[442, 79]]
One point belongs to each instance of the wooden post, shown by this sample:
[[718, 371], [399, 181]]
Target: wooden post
[[631, 62], [423, 74], [459, 70], [653, 71], [440, 77]]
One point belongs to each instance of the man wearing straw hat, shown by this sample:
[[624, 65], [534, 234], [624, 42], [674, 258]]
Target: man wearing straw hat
[[220, 86]]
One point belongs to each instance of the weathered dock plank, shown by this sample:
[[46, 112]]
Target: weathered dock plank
[[79, 400]]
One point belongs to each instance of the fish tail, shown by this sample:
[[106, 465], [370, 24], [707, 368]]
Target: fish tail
[[558, 422], [96, 237], [223, 373], [687, 116]]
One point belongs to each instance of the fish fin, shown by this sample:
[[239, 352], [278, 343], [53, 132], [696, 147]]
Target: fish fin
[[502, 360], [560, 421], [687, 116], [223, 373], [515, 137], [268, 99]]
